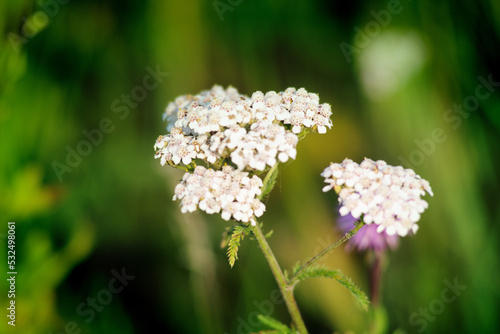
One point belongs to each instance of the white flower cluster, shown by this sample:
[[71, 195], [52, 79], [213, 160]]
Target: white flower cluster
[[252, 132], [385, 195], [230, 192]]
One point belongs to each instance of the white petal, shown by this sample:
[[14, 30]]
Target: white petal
[[390, 230], [327, 188], [402, 231], [343, 211], [283, 157], [380, 228], [414, 228]]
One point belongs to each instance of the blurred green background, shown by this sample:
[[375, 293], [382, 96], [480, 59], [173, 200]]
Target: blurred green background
[[407, 81]]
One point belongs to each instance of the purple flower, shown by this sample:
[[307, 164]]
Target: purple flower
[[367, 237]]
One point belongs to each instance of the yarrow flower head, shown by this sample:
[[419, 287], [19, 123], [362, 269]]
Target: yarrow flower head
[[235, 137], [379, 194], [230, 192], [367, 238], [220, 126]]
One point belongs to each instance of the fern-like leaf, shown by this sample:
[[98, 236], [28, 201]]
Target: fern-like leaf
[[269, 234], [296, 267], [269, 182], [321, 271], [237, 235], [289, 277]]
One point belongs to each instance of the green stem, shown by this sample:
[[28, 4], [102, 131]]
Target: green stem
[[375, 276], [285, 288], [316, 258]]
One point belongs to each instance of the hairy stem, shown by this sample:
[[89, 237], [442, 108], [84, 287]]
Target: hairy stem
[[285, 288], [325, 251]]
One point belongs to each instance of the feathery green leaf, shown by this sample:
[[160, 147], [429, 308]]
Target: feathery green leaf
[[321, 271], [296, 267], [269, 181], [269, 234], [237, 235]]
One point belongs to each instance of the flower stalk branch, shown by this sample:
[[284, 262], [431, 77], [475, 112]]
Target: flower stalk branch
[[325, 251], [285, 288]]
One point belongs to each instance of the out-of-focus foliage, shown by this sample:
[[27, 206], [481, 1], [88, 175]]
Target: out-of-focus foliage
[[82, 88]]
